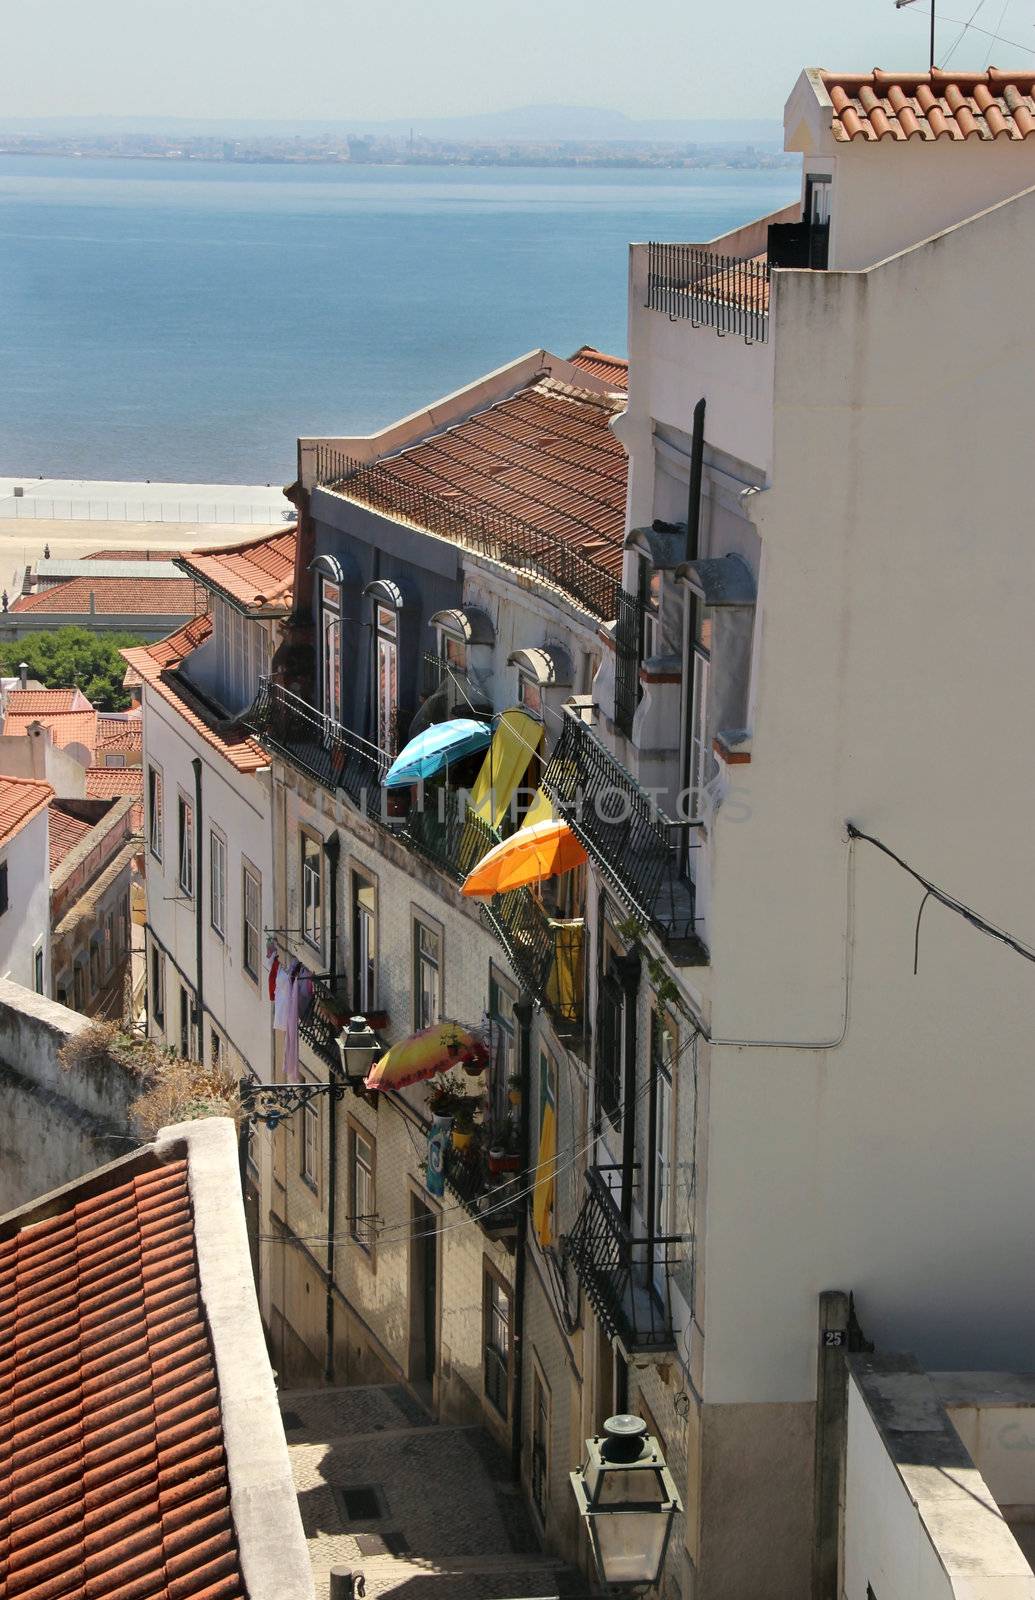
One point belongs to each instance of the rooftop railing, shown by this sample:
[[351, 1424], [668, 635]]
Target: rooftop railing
[[332, 754], [494, 534], [625, 1278], [632, 841], [727, 293]]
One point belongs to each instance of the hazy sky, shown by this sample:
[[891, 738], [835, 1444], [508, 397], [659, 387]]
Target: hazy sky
[[389, 58]]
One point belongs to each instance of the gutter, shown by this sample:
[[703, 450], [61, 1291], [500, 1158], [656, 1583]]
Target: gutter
[[332, 850]]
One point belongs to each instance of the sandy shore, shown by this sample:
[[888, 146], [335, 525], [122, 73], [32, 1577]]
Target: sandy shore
[[22, 541]]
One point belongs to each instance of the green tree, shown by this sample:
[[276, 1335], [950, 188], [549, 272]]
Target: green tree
[[68, 658]]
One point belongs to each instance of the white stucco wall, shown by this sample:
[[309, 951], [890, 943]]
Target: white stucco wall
[[27, 918], [894, 664]]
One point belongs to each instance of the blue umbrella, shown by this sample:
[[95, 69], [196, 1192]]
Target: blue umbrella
[[435, 748]]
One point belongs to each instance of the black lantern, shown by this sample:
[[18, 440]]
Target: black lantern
[[358, 1046], [628, 1499]]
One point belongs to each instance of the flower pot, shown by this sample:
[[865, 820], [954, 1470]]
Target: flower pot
[[514, 1096], [460, 1139]]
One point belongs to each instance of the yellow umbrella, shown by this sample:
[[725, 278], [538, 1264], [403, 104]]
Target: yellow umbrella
[[425, 1054], [543, 851]]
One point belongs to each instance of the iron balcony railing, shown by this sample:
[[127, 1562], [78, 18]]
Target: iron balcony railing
[[624, 1277], [328, 752], [493, 1202], [628, 650], [728, 293], [546, 954], [495, 534], [441, 828], [319, 1033], [633, 842]]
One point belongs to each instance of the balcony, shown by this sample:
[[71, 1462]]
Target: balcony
[[625, 1279], [319, 1033], [454, 841], [727, 293], [319, 746], [490, 1201], [546, 954], [634, 844]]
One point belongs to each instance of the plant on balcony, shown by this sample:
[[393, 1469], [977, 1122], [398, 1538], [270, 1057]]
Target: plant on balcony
[[446, 1094], [463, 1123], [514, 1089]]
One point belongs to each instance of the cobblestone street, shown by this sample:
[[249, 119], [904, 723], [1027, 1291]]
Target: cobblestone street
[[423, 1511]]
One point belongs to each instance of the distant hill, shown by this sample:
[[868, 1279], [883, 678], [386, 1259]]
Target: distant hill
[[524, 123]]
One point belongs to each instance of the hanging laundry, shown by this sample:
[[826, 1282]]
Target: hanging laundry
[[274, 969], [291, 1072], [281, 994]]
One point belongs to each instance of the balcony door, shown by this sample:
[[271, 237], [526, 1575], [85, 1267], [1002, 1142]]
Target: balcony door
[[663, 1053], [387, 678], [330, 631]]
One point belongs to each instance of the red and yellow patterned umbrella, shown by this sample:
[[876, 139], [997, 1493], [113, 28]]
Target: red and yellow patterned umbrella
[[426, 1054]]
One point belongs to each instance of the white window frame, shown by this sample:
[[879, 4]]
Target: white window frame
[[311, 883], [362, 1186], [185, 844], [428, 971], [157, 982], [155, 806], [700, 749], [365, 933], [309, 1141], [217, 882], [251, 879], [330, 647], [387, 676]]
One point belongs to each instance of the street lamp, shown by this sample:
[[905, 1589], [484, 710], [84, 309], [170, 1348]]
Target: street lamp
[[358, 1046], [628, 1498]]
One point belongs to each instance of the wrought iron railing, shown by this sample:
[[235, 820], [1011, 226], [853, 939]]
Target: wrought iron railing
[[727, 293], [546, 954], [327, 751], [632, 841], [319, 1033], [442, 829], [625, 1277], [492, 1202], [495, 534]]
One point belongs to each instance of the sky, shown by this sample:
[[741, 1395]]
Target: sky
[[339, 60]]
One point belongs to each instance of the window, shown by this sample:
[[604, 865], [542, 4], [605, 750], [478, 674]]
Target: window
[[186, 1028], [330, 613], [609, 1046], [496, 1305], [530, 694], [663, 1051], [4, 902], [702, 761], [312, 882], [364, 944], [79, 986], [548, 1101], [217, 882], [387, 677], [157, 986], [427, 975], [502, 1026], [154, 811], [540, 1444], [109, 943], [215, 1049], [452, 650], [37, 968], [95, 970], [309, 1164], [362, 1204], [185, 836], [251, 919]]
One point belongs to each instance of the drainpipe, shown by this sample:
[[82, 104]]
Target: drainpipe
[[199, 922], [629, 975], [332, 850], [693, 545], [523, 1017]]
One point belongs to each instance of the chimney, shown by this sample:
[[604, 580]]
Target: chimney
[[23, 672]]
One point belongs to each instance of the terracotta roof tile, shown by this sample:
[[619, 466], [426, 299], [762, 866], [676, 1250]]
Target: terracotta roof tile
[[545, 456], [68, 727], [172, 597], [65, 833], [116, 1474], [613, 369], [21, 799], [119, 733], [157, 664], [257, 574], [111, 783], [931, 105], [46, 700], [150, 554]]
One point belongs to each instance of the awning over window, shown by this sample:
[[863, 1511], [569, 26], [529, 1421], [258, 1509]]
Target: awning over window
[[471, 623], [550, 666], [339, 569], [385, 593], [546, 1166], [516, 740], [721, 581]]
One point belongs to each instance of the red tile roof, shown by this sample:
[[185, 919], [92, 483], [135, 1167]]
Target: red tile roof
[[65, 833], [119, 733], [150, 554], [112, 1458], [257, 574], [111, 783], [168, 597], [545, 456], [157, 664], [931, 105], [21, 799], [613, 369], [68, 727], [39, 701]]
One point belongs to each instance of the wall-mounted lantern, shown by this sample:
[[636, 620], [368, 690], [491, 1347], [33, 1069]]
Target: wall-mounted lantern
[[628, 1500]]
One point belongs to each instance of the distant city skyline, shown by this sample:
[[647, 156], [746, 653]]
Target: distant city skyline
[[316, 60]]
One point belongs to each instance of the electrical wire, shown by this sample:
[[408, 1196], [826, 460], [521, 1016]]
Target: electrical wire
[[959, 22], [960, 36]]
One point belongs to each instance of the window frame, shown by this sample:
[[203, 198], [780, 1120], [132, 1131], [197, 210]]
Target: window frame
[[156, 1013], [5, 893], [503, 1033], [155, 810], [310, 1140], [361, 917], [312, 928], [539, 1443], [39, 968], [386, 675], [362, 1191], [497, 1361], [425, 925], [251, 873], [185, 875], [330, 659], [217, 881]]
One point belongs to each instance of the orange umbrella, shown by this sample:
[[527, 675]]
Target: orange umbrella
[[425, 1054], [544, 850]]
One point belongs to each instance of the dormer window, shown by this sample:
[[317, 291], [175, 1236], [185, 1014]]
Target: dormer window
[[330, 634], [530, 694], [387, 667], [724, 604]]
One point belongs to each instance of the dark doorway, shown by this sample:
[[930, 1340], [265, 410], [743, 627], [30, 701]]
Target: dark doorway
[[423, 1294]]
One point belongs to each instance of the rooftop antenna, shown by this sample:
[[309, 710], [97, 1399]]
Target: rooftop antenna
[[898, 7]]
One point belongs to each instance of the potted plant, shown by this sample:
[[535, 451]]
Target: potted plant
[[334, 1001], [514, 1089], [463, 1124], [445, 1095]]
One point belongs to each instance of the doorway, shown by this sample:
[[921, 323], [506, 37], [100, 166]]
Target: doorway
[[423, 1295]]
